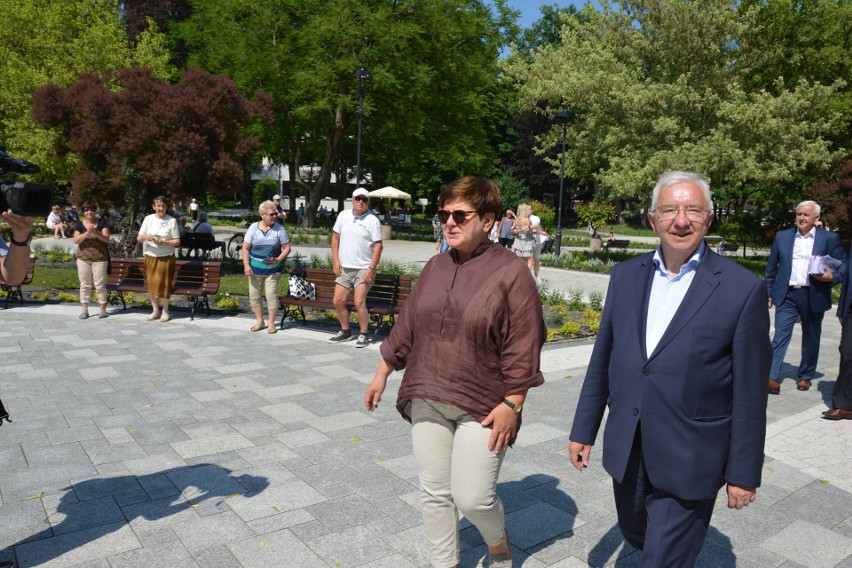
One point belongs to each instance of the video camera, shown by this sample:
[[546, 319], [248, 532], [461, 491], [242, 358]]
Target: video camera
[[27, 199]]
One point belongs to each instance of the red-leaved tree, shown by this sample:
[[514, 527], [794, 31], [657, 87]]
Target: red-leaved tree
[[138, 137], [835, 198]]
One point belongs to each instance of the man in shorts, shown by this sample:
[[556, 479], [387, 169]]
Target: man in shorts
[[356, 248]]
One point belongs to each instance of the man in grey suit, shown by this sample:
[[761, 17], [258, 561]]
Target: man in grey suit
[[680, 360], [799, 295]]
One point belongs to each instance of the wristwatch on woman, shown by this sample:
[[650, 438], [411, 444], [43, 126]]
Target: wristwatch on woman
[[516, 408]]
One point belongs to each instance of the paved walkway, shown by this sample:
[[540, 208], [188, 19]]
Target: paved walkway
[[200, 444]]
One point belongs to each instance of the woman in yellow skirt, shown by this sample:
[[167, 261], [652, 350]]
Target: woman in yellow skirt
[[159, 236]]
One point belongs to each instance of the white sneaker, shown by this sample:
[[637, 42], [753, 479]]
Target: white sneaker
[[362, 341]]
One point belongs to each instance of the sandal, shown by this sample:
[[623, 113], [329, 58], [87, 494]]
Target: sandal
[[103, 315], [272, 330], [83, 315], [258, 326]]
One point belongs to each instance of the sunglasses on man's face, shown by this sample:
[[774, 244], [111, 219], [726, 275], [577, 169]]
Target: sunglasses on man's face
[[459, 215], [92, 208], [361, 198]]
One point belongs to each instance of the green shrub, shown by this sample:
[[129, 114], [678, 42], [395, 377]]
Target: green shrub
[[140, 300], [67, 297], [592, 319], [576, 299], [227, 302], [570, 329], [40, 296], [596, 300]]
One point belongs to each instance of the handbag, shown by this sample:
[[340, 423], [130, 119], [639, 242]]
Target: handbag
[[302, 289]]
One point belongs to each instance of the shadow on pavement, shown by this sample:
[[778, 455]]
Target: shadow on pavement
[[98, 507], [717, 551]]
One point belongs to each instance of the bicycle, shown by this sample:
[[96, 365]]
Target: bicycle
[[235, 246]]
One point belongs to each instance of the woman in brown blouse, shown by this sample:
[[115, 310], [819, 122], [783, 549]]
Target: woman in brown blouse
[[469, 341], [92, 239]]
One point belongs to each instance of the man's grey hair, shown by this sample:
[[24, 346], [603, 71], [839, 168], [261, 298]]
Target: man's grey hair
[[817, 208], [676, 177], [202, 216]]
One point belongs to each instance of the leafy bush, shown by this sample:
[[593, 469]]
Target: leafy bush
[[596, 214], [227, 302], [40, 296], [67, 297], [576, 300], [596, 300], [592, 319]]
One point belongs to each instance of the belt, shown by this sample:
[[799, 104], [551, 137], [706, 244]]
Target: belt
[[797, 286]]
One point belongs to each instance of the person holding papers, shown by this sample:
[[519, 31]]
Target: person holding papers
[[797, 292]]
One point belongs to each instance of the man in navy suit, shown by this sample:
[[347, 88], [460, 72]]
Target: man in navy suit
[[841, 394], [797, 294], [680, 360]]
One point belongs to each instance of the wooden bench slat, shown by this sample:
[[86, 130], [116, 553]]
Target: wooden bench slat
[[385, 298], [193, 278]]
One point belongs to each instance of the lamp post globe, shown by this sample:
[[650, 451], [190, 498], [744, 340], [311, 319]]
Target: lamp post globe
[[363, 76]]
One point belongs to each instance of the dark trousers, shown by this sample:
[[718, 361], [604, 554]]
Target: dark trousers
[[670, 531], [841, 395], [506, 242], [796, 306]]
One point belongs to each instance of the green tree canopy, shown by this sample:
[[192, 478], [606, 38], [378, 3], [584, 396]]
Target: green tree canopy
[[656, 87], [426, 109], [45, 41]]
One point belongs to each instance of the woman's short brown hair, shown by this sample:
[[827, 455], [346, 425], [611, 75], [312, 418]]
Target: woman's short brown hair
[[482, 194]]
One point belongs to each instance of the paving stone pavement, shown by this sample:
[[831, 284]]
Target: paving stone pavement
[[200, 444]]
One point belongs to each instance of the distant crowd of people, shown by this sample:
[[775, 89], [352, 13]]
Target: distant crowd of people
[[522, 233]]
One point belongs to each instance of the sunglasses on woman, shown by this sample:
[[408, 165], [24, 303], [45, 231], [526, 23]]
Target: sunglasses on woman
[[459, 215], [91, 208]]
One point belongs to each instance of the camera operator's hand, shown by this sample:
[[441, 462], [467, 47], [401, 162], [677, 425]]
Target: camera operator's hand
[[13, 266], [21, 226]]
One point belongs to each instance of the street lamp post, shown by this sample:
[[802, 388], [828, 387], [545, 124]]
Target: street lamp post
[[363, 76], [563, 117]]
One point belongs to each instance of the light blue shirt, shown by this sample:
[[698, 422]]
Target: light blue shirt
[[667, 293]]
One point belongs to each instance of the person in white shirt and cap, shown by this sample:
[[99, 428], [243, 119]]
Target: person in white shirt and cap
[[276, 199], [356, 248]]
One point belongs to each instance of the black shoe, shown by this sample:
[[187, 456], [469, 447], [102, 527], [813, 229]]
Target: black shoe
[[341, 336], [363, 341]]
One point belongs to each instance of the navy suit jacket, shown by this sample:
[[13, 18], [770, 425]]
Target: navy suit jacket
[[700, 397], [845, 293], [780, 265]]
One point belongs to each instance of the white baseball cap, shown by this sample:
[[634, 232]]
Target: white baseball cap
[[361, 191], [276, 196]]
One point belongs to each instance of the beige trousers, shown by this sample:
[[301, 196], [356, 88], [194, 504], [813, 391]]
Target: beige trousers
[[92, 275], [260, 286], [457, 473]]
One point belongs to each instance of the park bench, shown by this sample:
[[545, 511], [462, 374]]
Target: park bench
[[616, 243], [199, 245], [14, 291], [384, 300], [193, 278]]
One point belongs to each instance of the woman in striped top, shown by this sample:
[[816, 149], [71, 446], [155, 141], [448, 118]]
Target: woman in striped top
[[265, 249]]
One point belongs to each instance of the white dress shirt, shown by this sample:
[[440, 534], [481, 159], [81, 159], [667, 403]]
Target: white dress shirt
[[667, 293], [803, 248]]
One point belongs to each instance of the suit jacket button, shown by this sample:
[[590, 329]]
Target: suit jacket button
[[646, 371], [635, 412]]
